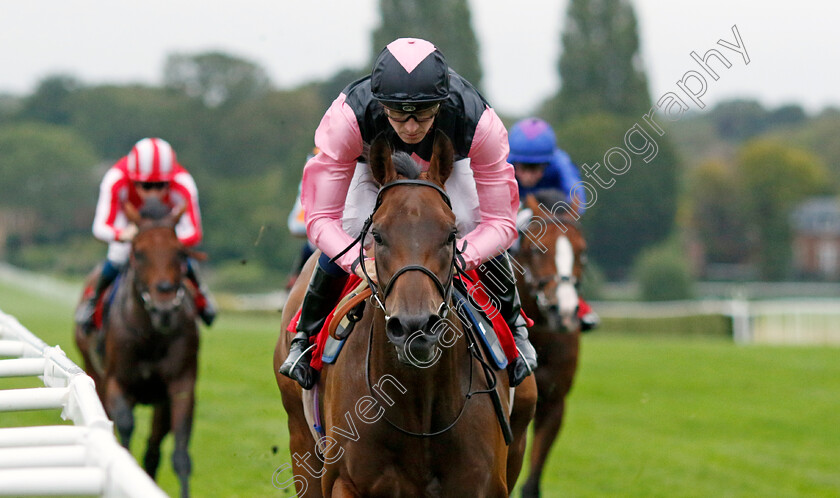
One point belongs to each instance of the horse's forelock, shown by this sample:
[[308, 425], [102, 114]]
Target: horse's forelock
[[549, 197], [406, 166], [153, 209]]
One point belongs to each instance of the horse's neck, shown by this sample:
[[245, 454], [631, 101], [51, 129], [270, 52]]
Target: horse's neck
[[127, 298], [432, 387]]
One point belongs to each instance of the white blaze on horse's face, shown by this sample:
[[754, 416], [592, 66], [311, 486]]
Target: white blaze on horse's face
[[564, 259]]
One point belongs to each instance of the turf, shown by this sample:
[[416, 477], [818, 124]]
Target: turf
[[649, 415]]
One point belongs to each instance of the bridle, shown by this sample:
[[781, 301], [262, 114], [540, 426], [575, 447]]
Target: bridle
[[379, 295], [142, 289], [538, 286]]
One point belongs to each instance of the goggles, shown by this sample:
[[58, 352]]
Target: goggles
[[151, 185], [408, 112]]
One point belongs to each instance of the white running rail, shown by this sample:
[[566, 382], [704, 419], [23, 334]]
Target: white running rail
[[66, 460], [772, 321]]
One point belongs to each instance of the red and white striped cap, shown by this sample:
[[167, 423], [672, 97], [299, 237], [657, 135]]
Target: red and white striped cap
[[151, 160]]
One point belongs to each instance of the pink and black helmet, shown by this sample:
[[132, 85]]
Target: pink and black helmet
[[410, 74]]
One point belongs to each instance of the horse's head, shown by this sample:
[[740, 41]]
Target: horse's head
[[552, 250], [159, 262], [413, 231]]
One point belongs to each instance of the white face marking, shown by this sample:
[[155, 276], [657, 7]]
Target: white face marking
[[564, 258]]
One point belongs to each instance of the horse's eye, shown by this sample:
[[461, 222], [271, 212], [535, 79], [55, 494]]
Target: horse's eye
[[140, 256], [452, 235], [377, 237]]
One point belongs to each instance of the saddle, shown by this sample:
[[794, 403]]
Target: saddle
[[471, 304]]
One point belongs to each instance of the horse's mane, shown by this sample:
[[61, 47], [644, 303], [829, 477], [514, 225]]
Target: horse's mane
[[153, 209]]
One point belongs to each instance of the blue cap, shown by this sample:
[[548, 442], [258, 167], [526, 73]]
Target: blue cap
[[531, 141]]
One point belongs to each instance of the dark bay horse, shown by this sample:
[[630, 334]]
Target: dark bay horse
[[552, 253], [150, 340], [401, 408]]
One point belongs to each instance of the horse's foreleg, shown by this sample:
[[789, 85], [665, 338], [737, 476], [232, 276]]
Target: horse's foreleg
[[524, 404], [120, 411], [307, 467], [160, 427], [547, 422], [342, 488], [182, 402]]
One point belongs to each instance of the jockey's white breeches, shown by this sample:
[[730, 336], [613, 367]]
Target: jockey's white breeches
[[361, 198], [118, 253]]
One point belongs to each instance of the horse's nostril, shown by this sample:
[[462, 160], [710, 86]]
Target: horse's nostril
[[395, 328], [165, 287], [431, 325], [400, 328]]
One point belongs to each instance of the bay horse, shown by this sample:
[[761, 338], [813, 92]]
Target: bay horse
[[402, 407], [150, 340], [552, 253]]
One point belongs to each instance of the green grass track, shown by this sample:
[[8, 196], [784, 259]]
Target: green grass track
[[650, 414]]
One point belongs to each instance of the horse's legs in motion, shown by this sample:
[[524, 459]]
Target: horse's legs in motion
[[120, 410], [160, 427], [547, 422], [182, 396], [524, 404]]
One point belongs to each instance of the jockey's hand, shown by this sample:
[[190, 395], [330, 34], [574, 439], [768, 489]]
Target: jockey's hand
[[127, 234], [370, 267]]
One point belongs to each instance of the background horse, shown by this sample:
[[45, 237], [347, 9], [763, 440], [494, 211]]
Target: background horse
[[553, 261], [396, 411], [150, 340]]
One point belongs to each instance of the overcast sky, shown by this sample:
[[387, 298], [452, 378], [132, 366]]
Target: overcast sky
[[793, 46]]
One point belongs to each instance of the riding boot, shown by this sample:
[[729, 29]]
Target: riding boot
[[321, 296], [500, 272], [85, 312], [204, 302]]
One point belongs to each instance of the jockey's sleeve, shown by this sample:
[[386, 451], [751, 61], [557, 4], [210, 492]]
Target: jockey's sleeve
[[498, 195], [108, 206], [188, 228], [326, 178], [569, 178]]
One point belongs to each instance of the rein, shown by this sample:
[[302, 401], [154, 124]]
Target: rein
[[489, 375], [379, 295]]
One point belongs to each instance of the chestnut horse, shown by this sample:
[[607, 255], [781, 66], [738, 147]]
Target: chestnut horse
[[408, 405], [150, 340], [552, 254]]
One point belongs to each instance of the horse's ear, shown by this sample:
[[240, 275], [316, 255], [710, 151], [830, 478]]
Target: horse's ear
[[532, 204], [175, 214], [443, 157], [381, 166], [575, 204], [197, 255], [132, 213]]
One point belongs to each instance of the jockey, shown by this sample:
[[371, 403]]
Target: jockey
[[540, 164], [411, 92], [150, 170]]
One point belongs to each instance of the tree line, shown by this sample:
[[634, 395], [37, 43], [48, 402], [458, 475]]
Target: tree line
[[728, 176]]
